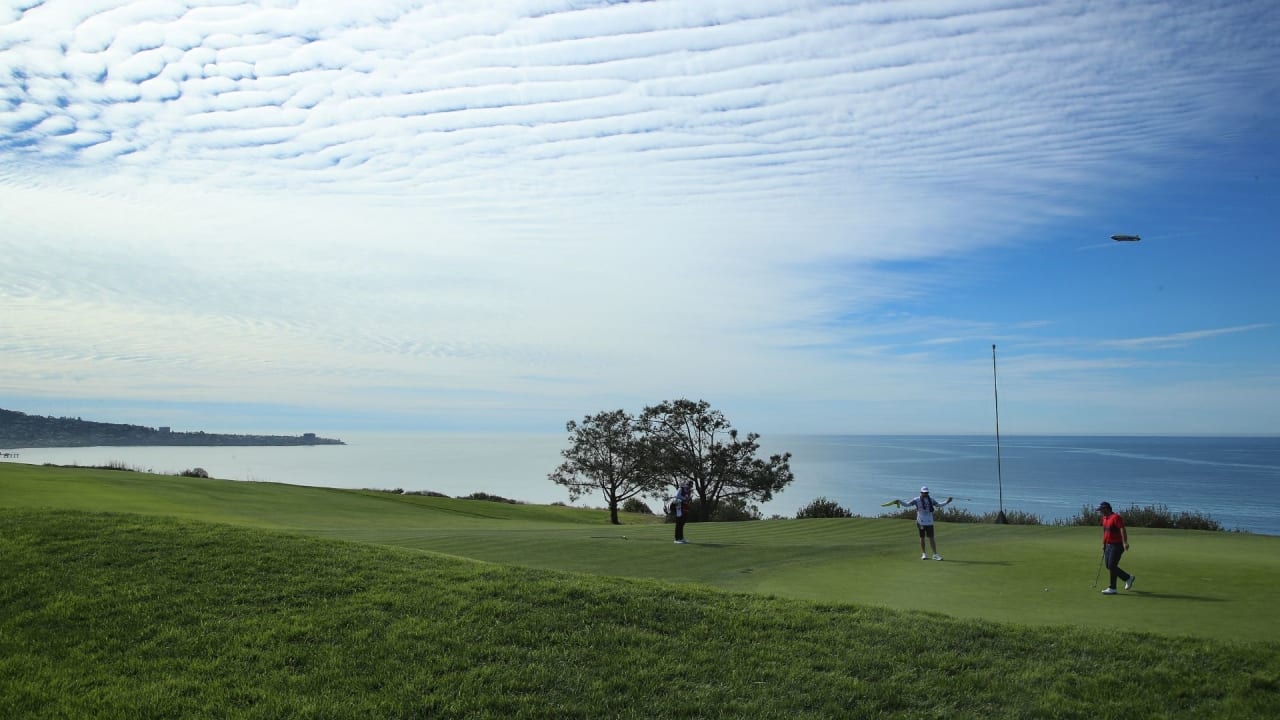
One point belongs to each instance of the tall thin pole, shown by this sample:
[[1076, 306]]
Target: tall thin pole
[[995, 385]]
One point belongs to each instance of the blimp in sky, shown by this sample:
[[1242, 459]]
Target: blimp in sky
[[1126, 238]]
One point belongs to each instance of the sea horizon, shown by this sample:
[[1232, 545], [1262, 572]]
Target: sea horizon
[[1051, 476]]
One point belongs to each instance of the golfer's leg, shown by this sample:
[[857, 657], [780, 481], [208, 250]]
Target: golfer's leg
[[1118, 572]]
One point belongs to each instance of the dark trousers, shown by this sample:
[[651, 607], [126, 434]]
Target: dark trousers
[[1111, 557], [680, 527]]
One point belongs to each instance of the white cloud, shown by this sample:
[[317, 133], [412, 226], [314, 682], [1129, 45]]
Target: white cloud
[[1178, 339], [555, 201]]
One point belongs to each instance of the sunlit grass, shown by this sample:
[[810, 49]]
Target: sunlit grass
[[131, 595], [127, 616]]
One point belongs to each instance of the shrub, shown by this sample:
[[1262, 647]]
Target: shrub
[[111, 465], [1012, 517], [1149, 516], [734, 510], [961, 515], [490, 498], [822, 507], [636, 505], [195, 473]]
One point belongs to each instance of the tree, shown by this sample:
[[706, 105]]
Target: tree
[[689, 441], [605, 453]]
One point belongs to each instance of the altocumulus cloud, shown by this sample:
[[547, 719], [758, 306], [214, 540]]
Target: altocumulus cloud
[[551, 207]]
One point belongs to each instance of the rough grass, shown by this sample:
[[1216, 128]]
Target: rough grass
[[130, 616]]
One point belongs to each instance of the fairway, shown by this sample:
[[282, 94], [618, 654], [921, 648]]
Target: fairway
[[1191, 583], [1194, 584]]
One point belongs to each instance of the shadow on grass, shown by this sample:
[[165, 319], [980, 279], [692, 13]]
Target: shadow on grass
[[1172, 596], [978, 562]]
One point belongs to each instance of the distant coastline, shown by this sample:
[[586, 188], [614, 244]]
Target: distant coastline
[[20, 430]]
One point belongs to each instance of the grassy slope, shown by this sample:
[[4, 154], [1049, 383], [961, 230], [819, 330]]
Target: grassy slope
[[1208, 585], [129, 616]]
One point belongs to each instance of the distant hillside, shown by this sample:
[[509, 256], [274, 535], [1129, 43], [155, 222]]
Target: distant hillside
[[19, 430]]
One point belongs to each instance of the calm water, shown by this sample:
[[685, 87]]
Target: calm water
[[1234, 480]]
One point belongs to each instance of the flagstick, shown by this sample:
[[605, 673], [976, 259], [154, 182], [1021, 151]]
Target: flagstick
[[1000, 519]]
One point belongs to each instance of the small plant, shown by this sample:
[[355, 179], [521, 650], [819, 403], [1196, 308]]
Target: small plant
[[195, 473], [822, 507]]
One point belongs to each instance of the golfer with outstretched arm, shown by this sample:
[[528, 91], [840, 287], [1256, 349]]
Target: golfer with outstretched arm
[[925, 506], [1115, 540]]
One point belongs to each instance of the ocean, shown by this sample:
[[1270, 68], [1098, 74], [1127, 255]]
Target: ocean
[[1231, 479]]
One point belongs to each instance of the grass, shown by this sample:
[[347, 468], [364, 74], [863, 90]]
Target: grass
[[130, 595]]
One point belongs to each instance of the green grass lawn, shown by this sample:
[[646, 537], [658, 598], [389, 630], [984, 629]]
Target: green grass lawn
[[130, 595]]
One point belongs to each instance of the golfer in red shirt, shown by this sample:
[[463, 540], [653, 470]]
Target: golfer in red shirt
[[1115, 540]]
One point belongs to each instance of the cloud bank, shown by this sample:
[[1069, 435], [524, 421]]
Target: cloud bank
[[531, 210]]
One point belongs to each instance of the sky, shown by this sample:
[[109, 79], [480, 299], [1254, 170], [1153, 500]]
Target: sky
[[843, 217]]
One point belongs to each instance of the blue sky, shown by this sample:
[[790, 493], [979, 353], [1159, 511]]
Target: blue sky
[[819, 217]]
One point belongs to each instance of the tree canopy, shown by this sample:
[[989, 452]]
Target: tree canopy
[[690, 441], [605, 453], [668, 444]]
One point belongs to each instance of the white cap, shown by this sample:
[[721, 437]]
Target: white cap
[[924, 489]]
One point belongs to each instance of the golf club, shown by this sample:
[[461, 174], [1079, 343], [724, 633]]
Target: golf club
[[1099, 573]]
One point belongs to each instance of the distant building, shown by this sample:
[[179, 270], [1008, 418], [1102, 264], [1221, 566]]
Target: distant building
[[164, 429], [309, 437]]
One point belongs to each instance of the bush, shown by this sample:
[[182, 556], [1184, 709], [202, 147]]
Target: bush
[[734, 510], [1149, 516], [1012, 517], [822, 508], [961, 515], [636, 505], [195, 473], [902, 514], [490, 498]]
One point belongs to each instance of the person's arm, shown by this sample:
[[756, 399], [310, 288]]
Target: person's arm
[[1124, 537]]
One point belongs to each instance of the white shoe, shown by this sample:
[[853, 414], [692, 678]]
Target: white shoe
[[1128, 584], [937, 556], [923, 556], [1109, 591], [682, 542]]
